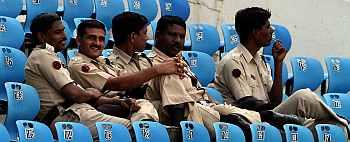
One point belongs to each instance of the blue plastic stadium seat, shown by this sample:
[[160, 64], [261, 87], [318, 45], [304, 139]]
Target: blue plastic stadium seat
[[226, 132], [338, 77], [307, 73], [111, 132], [12, 62], [179, 8], [11, 32], [202, 65], [148, 8], [146, 131], [72, 132], [107, 9], [107, 52], [77, 9], [10, 8], [215, 94], [271, 63], [282, 34], [339, 102], [23, 104], [35, 7], [67, 31], [330, 133], [297, 133], [71, 54], [204, 38], [264, 132], [32, 131], [4, 137], [194, 132], [231, 38]]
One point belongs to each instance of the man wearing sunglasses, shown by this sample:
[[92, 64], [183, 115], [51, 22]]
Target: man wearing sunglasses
[[244, 79]]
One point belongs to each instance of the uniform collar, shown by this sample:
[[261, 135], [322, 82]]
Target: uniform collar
[[87, 59], [121, 55], [160, 53], [246, 54], [48, 47]]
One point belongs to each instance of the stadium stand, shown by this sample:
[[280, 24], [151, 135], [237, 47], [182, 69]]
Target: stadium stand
[[231, 38], [330, 133], [147, 131], [215, 94], [11, 32], [194, 132], [264, 132], [148, 8], [297, 133], [72, 132], [77, 9], [339, 102], [32, 131], [111, 132], [10, 8], [338, 77], [35, 7], [204, 38], [228, 132], [4, 135], [179, 8]]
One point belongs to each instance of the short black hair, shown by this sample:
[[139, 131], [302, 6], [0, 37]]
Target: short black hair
[[165, 21], [93, 23], [126, 23], [42, 23], [249, 19]]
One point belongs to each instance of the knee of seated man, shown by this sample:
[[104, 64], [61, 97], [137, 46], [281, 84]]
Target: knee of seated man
[[305, 94]]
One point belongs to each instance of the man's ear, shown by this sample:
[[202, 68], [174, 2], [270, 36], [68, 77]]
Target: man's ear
[[41, 37], [77, 40]]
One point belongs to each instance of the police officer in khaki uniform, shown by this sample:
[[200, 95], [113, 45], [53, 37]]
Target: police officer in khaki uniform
[[61, 98], [182, 97], [244, 79], [130, 33]]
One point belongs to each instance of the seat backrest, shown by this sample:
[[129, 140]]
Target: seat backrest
[[194, 132], [264, 132], [10, 8], [226, 132], [72, 132], [32, 131], [11, 32], [339, 102], [112, 132], [77, 9], [330, 133], [307, 73], [297, 133], [12, 62], [71, 53], [202, 65], [23, 104], [107, 9], [231, 38], [215, 94], [68, 32], [338, 78], [107, 52], [35, 7], [282, 34], [4, 137], [148, 8], [204, 38], [146, 131], [179, 8]]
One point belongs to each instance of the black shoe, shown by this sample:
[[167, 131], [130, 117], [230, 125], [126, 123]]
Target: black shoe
[[278, 119], [240, 122]]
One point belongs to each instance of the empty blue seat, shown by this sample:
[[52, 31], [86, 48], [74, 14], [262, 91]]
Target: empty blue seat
[[148, 8], [297, 133], [226, 132], [32, 131], [23, 103], [107, 9], [264, 132], [202, 65], [330, 133], [77, 9], [231, 38], [12, 62], [307, 73], [179, 8], [204, 38], [339, 102], [146, 131], [112, 132], [338, 77], [282, 34], [215, 94], [194, 132], [10, 8], [35, 7], [72, 132], [4, 137], [71, 53], [11, 32]]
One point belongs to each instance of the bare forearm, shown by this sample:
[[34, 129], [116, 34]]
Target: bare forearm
[[276, 90]]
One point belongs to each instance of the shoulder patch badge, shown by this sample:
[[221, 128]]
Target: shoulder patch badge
[[56, 65], [85, 68], [236, 73]]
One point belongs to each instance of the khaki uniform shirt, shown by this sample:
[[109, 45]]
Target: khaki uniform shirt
[[46, 73], [127, 64], [239, 74]]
